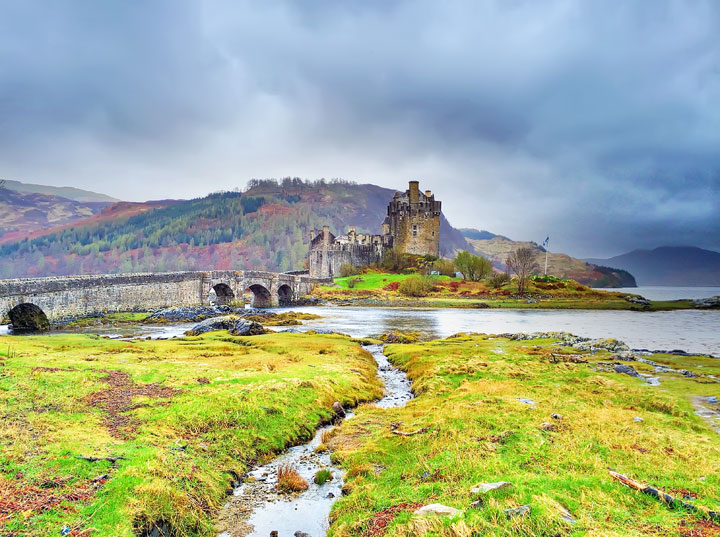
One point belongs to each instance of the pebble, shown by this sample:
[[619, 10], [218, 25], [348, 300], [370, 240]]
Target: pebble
[[638, 419]]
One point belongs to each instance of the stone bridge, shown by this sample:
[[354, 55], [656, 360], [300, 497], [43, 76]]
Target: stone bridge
[[72, 296]]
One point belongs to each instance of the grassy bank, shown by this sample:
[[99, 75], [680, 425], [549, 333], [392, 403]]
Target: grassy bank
[[479, 431], [381, 289], [177, 419]]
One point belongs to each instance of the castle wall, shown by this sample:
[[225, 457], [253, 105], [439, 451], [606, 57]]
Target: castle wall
[[326, 263]]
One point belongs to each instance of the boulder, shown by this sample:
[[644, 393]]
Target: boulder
[[711, 302], [484, 488], [638, 300], [234, 325], [521, 510], [626, 370], [338, 410], [437, 509]]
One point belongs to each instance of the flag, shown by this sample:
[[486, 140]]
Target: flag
[[545, 242]]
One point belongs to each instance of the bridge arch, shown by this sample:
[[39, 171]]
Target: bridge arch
[[223, 293], [28, 316], [261, 296], [285, 295]]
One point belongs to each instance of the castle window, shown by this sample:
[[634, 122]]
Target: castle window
[[414, 230]]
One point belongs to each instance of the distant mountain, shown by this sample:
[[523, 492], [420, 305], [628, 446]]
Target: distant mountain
[[68, 192], [670, 265], [24, 213], [265, 227], [480, 235], [497, 249]]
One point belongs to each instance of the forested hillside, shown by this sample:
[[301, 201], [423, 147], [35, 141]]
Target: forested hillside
[[265, 227]]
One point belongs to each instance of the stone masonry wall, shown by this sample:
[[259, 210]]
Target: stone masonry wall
[[72, 296]]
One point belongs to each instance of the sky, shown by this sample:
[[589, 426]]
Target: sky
[[594, 122]]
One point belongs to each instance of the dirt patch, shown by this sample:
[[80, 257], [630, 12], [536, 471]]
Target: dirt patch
[[118, 399], [52, 369], [21, 498], [382, 519], [700, 528]]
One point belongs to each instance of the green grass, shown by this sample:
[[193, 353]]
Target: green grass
[[237, 400], [111, 318], [378, 280], [467, 389]]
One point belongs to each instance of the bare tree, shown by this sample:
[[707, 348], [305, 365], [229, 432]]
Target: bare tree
[[523, 263]]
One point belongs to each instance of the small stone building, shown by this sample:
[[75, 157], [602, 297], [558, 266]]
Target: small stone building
[[412, 226]]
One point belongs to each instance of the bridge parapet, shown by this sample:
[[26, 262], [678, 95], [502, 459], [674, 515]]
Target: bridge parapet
[[71, 296]]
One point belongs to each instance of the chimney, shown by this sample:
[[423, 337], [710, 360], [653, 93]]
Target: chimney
[[326, 235], [414, 192], [428, 193]]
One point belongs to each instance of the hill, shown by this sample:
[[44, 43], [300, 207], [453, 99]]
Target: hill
[[562, 265], [265, 227], [670, 265], [22, 213], [68, 192], [477, 234]]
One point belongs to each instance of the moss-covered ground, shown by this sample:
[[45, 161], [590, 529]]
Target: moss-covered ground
[[381, 289], [178, 418], [470, 392]]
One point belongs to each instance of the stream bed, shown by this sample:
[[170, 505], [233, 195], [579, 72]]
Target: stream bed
[[257, 508]]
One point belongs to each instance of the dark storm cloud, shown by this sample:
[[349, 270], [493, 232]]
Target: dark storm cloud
[[595, 122]]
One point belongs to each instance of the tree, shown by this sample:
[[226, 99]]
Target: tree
[[523, 263], [473, 268]]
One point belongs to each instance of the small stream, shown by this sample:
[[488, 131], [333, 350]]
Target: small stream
[[257, 508]]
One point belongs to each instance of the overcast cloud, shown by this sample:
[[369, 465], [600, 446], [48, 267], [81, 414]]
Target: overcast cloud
[[594, 122]]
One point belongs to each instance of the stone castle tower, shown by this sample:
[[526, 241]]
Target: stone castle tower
[[412, 226], [414, 221]]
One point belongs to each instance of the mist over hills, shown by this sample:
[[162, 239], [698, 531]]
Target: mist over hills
[[670, 265]]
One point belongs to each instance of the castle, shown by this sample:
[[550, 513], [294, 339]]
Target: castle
[[412, 226]]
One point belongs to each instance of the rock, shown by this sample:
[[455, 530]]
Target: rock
[[521, 510], [545, 426], [712, 400], [234, 325], [301, 534], [526, 401], [338, 410], [688, 374], [638, 300], [437, 509], [484, 488], [567, 516], [626, 370], [638, 419], [711, 302], [556, 416]]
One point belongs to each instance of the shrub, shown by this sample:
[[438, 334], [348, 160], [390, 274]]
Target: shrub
[[353, 282], [322, 476], [348, 269], [416, 286], [444, 267], [474, 268], [289, 480], [498, 279]]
